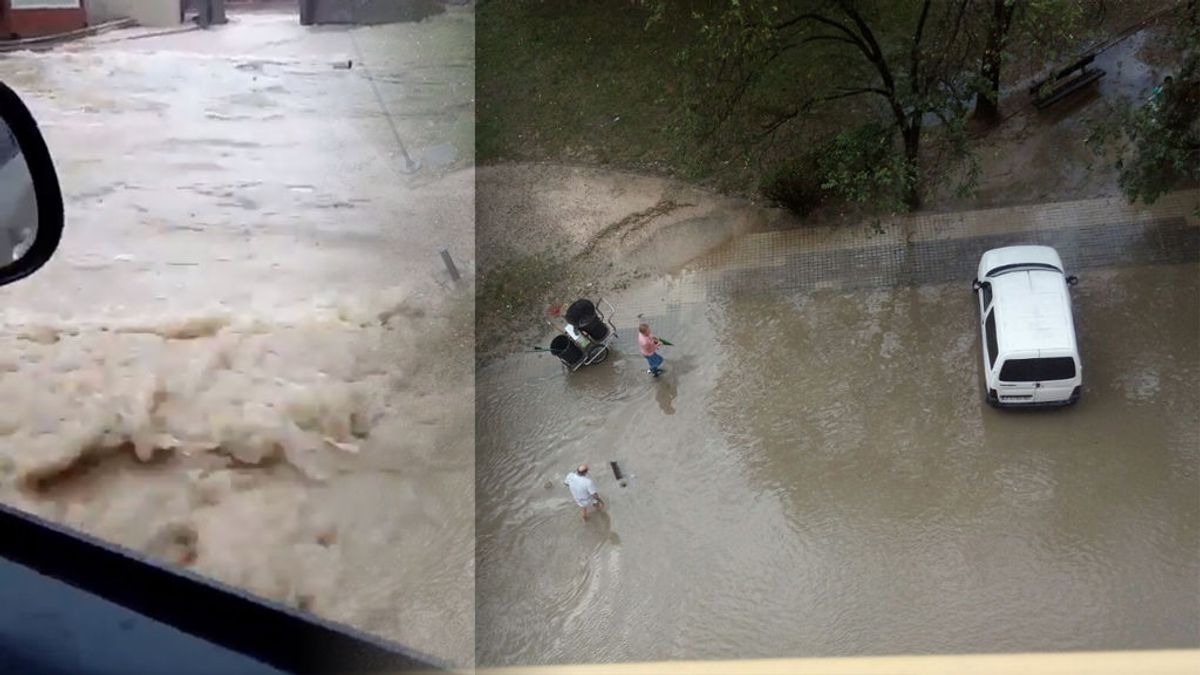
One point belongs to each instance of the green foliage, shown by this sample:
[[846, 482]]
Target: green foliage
[[580, 82], [1158, 138], [1051, 26], [769, 65], [795, 185], [959, 165], [863, 166], [513, 288]]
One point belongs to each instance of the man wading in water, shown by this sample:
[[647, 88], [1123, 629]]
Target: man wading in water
[[648, 344], [583, 489]]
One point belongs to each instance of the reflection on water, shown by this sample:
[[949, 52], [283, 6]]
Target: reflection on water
[[817, 474]]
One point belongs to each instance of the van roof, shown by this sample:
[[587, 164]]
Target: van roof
[[1033, 312]]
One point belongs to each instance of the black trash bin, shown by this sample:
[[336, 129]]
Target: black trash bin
[[595, 329], [567, 352], [581, 313]]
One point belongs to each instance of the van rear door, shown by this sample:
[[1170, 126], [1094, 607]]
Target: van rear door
[[1044, 379], [1056, 379]]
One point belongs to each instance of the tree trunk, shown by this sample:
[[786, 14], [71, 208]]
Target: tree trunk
[[912, 156], [987, 103]]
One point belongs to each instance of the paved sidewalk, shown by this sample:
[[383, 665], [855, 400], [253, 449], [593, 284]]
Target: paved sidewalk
[[934, 248]]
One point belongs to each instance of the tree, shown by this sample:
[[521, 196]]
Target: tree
[[1159, 138], [987, 101], [912, 56], [1042, 22]]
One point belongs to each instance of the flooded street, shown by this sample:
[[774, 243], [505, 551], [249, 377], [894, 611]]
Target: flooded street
[[816, 474], [234, 361]]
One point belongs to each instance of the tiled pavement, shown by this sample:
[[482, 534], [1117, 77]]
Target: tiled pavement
[[935, 248]]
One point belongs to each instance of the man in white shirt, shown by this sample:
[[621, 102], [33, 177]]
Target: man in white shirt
[[583, 490]]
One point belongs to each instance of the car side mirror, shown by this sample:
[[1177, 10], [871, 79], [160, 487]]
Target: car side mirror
[[1072, 280], [31, 205]]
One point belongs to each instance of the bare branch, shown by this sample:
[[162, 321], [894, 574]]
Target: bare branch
[[914, 62], [781, 119], [851, 36], [875, 56], [945, 53], [829, 38], [846, 93], [770, 129]]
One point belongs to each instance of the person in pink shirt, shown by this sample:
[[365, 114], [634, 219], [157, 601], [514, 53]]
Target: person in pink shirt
[[648, 344]]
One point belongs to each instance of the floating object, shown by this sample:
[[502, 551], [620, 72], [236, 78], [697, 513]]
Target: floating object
[[449, 262], [344, 447], [616, 469]]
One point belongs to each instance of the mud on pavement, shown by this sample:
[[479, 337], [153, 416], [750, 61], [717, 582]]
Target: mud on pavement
[[548, 233]]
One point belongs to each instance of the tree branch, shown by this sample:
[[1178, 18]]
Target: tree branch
[[875, 56], [851, 37], [770, 129], [829, 38], [846, 93], [958, 19], [914, 63]]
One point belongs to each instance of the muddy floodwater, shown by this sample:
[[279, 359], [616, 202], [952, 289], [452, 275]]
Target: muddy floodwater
[[817, 474], [233, 362]]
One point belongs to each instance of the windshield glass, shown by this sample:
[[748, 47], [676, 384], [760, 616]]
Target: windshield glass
[[1019, 267], [1038, 370]]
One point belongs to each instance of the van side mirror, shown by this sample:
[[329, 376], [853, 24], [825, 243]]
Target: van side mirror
[[1072, 280], [975, 285], [31, 205]]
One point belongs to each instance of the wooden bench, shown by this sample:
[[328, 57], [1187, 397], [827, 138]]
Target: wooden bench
[[1062, 84]]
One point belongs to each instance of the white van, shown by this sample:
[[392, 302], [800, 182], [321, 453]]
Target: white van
[[1030, 357]]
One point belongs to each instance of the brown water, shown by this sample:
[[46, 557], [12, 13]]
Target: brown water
[[235, 362], [817, 474]]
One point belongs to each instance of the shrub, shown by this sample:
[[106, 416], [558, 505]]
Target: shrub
[[794, 185]]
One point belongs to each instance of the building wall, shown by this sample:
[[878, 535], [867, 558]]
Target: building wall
[[373, 11], [154, 13], [27, 23]]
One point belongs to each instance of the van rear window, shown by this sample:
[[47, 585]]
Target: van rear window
[[1038, 370]]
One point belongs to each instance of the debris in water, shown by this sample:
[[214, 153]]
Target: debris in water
[[616, 469], [344, 447]]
